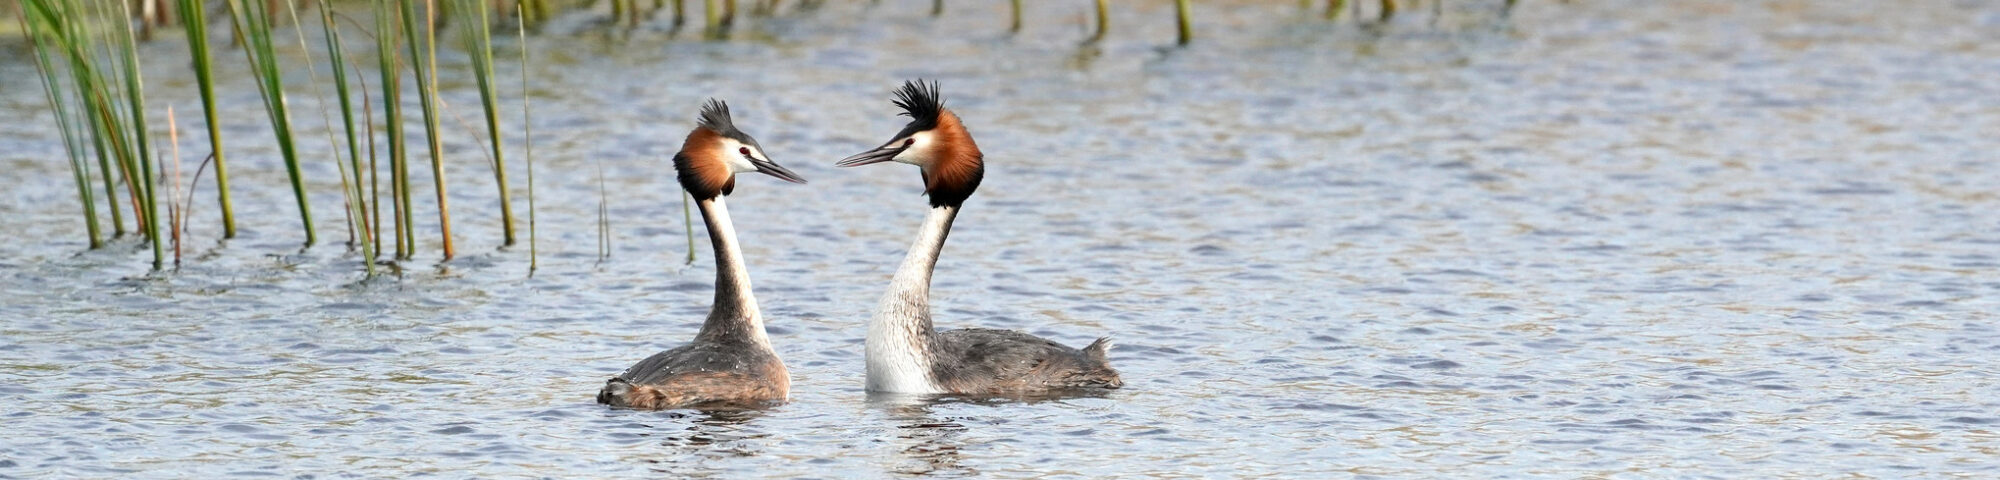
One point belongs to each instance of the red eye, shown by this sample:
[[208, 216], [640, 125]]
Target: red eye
[[909, 141], [743, 150]]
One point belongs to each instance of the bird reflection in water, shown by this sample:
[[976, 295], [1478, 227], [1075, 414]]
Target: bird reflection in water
[[705, 436], [931, 444]]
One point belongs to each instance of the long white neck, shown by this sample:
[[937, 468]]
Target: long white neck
[[735, 317], [900, 335]]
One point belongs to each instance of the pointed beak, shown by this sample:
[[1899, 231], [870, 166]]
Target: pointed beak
[[878, 155], [771, 168]]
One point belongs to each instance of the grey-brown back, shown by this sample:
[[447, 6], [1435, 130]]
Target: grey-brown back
[[992, 361], [701, 373], [702, 357]]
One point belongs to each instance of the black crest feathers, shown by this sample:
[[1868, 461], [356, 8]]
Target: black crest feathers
[[921, 103], [715, 116]]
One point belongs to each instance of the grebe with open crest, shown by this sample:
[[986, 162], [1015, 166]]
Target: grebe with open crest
[[905, 355], [730, 363]]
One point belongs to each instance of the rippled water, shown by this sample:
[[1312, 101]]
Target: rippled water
[[1600, 239]]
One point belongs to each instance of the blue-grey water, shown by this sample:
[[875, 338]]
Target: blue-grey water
[[1598, 239]]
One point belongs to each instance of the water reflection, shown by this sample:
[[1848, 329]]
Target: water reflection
[[929, 444], [697, 442], [1085, 56], [932, 444]]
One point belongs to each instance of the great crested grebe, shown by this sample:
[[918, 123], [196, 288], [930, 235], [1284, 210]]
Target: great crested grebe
[[730, 363], [905, 355]]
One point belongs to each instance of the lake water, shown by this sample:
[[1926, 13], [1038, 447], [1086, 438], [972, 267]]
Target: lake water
[[1598, 239]]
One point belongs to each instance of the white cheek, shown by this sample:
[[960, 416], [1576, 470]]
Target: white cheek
[[733, 151], [919, 153]]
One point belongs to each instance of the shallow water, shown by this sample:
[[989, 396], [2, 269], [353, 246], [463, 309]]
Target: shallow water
[[1600, 239]]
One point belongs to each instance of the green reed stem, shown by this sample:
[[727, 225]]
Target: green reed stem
[[528, 144], [106, 155], [253, 19], [194, 18], [111, 116], [713, 15], [426, 71], [1333, 8], [1103, 20], [136, 97], [1186, 19], [350, 174], [1388, 10], [374, 177], [603, 216], [102, 147], [356, 221], [176, 222], [388, 38], [478, 40], [66, 22], [43, 39], [1016, 26], [98, 90], [687, 223]]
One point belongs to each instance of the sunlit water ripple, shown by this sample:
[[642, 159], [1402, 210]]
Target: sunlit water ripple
[[1601, 239]]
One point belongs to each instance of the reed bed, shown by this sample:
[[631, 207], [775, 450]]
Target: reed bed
[[87, 54], [104, 83], [40, 34], [252, 21]]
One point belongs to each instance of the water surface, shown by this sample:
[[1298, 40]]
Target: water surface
[[1598, 239]]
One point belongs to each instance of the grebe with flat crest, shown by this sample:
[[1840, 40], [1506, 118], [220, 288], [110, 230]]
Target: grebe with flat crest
[[730, 363], [904, 353]]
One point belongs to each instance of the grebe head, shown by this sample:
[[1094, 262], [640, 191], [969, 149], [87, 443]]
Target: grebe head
[[936, 142], [716, 151]]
